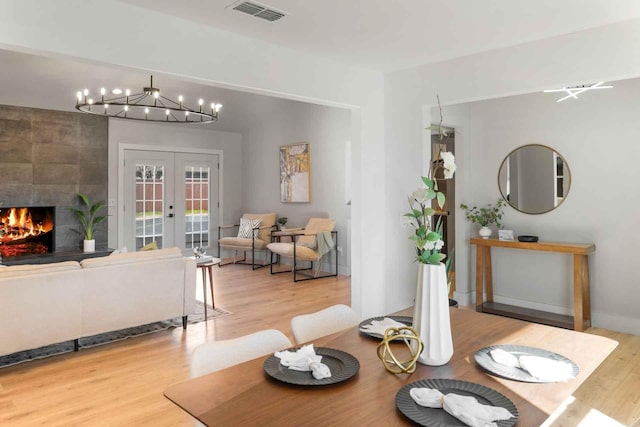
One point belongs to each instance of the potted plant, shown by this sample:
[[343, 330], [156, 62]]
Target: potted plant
[[282, 221], [485, 216], [89, 220]]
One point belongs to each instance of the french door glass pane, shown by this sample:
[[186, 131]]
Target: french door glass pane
[[197, 206], [149, 204]]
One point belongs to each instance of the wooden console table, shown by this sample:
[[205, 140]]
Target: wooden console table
[[581, 319]]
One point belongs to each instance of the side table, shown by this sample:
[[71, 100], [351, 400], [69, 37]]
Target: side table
[[207, 265]]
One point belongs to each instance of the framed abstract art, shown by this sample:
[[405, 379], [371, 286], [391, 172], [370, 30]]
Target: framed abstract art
[[295, 173]]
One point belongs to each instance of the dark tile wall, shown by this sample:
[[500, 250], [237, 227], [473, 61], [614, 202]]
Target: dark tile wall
[[47, 157]]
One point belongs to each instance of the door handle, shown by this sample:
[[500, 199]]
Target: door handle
[[170, 215]]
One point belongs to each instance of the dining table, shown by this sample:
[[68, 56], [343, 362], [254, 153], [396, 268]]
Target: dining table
[[245, 395]]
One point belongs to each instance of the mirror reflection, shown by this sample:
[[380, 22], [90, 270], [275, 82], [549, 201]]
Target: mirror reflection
[[534, 179]]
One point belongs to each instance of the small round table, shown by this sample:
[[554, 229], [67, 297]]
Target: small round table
[[207, 265]]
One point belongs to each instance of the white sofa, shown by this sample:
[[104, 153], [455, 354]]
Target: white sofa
[[49, 303]]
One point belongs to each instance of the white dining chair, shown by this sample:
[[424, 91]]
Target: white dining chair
[[307, 327], [215, 355]]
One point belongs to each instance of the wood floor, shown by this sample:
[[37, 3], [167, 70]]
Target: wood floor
[[121, 384]]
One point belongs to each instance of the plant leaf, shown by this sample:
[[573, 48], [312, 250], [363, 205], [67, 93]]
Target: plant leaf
[[428, 182], [435, 258], [441, 198]]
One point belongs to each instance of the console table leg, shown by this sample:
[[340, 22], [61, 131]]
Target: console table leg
[[488, 274], [581, 297], [479, 278]]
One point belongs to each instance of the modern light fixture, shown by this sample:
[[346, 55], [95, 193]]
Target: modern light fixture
[[147, 105], [574, 91]]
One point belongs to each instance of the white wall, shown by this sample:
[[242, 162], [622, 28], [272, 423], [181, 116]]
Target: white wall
[[599, 54], [286, 122], [597, 135], [170, 137]]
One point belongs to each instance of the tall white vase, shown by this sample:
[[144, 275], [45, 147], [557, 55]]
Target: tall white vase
[[431, 315]]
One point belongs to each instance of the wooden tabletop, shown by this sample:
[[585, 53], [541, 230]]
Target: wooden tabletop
[[570, 248], [244, 395]]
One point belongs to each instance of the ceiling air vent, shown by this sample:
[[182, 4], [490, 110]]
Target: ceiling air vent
[[258, 10]]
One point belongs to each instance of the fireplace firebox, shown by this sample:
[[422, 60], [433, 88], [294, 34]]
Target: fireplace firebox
[[26, 230]]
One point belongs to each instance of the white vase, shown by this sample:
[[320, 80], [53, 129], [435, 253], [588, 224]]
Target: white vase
[[89, 245], [431, 315], [485, 232]]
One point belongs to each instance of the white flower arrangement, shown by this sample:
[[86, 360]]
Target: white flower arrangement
[[427, 236]]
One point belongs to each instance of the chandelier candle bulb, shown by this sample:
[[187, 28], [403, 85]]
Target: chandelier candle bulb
[[180, 100]]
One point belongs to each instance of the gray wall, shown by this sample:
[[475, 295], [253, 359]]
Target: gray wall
[[286, 122], [46, 157]]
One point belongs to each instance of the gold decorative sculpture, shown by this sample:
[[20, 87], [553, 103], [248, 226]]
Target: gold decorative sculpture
[[409, 336]]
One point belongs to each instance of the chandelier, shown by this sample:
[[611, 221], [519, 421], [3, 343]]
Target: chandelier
[[147, 105], [573, 92]]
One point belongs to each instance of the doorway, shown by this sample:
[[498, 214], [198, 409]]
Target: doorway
[[446, 215], [170, 198]]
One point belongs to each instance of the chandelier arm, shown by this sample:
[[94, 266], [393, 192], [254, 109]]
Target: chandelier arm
[[140, 97], [171, 101]]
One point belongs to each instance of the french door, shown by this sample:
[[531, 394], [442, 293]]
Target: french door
[[170, 198]]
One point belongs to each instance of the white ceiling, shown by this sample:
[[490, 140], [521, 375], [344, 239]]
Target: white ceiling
[[395, 34], [378, 34]]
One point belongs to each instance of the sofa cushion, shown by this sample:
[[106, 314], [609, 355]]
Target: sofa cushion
[[150, 246], [286, 249], [247, 229], [24, 269], [236, 242], [132, 257], [268, 221]]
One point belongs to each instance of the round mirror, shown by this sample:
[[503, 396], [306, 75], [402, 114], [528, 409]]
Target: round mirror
[[534, 179]]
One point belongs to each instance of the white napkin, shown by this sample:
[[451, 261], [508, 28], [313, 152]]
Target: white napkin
[[465, 408], [380, 326], [304, 359], [541, 368]]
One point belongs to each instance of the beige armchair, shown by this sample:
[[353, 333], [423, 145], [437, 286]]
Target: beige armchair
[[253, 234], [310, 244]]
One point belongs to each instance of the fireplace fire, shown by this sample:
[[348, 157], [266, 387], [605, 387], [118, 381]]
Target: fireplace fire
[[26, 230]]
